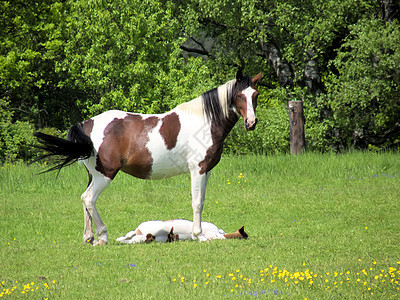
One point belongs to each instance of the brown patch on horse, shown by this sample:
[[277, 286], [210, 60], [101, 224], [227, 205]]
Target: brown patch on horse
[[90, 177], [150, 238], [170, 236], [218, 135], [238, 234], [88, 126], [170, 128], [124, 147], [241, 104]]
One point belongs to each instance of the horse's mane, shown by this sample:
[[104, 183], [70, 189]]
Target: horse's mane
[[215, 104]]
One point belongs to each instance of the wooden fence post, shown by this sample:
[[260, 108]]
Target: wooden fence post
[[296, 126]]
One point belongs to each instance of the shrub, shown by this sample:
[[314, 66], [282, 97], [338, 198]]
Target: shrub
[[15, 141]]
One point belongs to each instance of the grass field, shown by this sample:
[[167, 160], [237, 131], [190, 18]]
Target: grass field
[[320, 227]]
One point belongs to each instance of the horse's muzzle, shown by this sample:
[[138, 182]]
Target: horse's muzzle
[[250, 126]]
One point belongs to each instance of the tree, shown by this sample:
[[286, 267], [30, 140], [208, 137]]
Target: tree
[[296, 44], [31, 44], [124, 55], [65, 61], [364, 97]]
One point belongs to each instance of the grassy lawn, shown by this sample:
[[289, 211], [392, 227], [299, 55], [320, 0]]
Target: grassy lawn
[[320, 226]]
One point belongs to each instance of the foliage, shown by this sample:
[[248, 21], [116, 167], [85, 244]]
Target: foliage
[[364, 97], [15, 141], [15, 138], [133, 42], [64, 61], [314, 46], [31, 44], [318, 131]]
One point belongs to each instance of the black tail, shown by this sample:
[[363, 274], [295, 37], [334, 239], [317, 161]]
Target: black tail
[[66, 152]]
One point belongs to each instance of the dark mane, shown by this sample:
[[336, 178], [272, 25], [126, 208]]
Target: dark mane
[[214, 100], [212, 106]]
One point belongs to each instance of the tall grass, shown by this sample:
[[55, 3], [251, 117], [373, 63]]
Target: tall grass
[[320, 226]]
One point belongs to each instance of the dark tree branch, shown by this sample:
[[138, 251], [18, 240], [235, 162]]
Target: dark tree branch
[[382, 138], [195, 50], [198, 43], [207, 21]]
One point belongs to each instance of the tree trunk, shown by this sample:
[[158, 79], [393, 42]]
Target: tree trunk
[[390, 10], [311, 78], [296, 126], [282, 68]]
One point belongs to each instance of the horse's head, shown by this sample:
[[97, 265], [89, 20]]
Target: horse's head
[[150, 238], [245, 99]]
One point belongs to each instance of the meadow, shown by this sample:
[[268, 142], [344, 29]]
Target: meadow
[[320, 227]]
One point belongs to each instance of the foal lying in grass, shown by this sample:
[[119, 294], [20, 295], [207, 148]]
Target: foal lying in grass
[[169, 231]]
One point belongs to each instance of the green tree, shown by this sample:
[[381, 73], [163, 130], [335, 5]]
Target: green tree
[[64, 61], [125, 55], [297, 43], [31, 44], [365, 96]]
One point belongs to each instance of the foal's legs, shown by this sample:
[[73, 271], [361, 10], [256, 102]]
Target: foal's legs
[[199, 184]]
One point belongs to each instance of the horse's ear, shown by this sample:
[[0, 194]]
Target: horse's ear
[[239, 74], [256, 78], [243, 233]]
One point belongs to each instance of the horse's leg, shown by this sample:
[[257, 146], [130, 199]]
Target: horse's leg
[[89, 198], [199, 184], [88, 235]]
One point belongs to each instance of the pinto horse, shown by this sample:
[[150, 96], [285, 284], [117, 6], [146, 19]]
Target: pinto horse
[[188, 138], [174, 230]]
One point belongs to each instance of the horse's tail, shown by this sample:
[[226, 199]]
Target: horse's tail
[[77, 146]]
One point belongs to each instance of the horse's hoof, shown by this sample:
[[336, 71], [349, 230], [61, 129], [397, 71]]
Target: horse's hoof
[[99, 243], [121, 239], [201, 238], [102, 243], [89, 240]]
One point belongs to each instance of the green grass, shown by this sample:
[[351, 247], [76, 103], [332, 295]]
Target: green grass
[[320, 226]]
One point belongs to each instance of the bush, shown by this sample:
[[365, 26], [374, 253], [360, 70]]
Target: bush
[[15, 141], [364, 98]]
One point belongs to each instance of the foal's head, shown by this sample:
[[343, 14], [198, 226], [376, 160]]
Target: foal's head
[[245, 99]]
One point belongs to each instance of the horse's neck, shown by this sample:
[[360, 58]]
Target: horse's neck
[[221, 131]]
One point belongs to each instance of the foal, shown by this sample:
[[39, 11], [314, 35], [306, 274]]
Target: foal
[[188, 138], [168, 231]]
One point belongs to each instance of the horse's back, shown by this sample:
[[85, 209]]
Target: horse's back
[[148, 146]]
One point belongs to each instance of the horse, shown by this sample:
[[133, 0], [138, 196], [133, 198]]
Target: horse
[[173, 230], [187, 139]]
